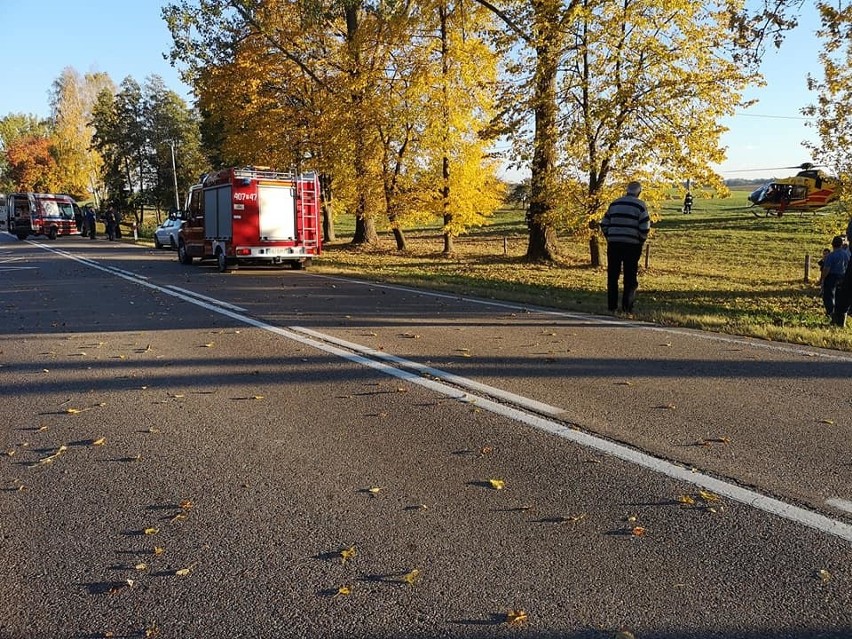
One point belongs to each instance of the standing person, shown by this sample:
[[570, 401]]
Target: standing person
[[687, 203], [109, 222], [89, 220], [118, 218], [833, 269], [625, 226]]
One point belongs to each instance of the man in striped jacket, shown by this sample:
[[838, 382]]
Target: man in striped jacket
[[625, 226]]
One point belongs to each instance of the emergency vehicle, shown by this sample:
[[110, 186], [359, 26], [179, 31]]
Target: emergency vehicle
[[252, 215], [42, 214]]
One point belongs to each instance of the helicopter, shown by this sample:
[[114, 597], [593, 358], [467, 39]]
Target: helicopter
[[809, 190]]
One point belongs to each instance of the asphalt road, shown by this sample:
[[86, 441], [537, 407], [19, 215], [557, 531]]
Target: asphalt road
[[281, 454]]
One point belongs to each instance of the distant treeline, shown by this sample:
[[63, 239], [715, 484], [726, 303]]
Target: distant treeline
[[744, 182]]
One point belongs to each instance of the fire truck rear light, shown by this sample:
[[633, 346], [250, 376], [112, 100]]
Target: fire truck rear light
[[243, 251]]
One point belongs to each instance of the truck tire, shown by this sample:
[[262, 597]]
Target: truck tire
[[183, 256], [222, 261], [22, 236], [51, 234], [296, 265]]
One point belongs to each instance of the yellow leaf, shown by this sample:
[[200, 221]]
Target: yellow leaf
[[686, 499], [637, 531], [497, 484], [208, 345], [186, 504], [257, 397], [516, 617], [178, 517], [826, 421], [375, 490], [41, 429], [708, 496], [10, 452], [100, 441], [343, 591], [411, 577], [141, 566], [72, 411], [151, 531], [823, 575], [183, 572], [159, 550], [348, 553]]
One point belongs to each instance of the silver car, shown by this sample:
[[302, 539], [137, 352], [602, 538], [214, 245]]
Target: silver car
[[166, 235]]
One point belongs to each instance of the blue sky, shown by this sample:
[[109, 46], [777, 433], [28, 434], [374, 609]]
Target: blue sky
[[129, 38]]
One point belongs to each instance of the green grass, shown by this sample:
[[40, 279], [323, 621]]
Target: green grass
[[721, 269]]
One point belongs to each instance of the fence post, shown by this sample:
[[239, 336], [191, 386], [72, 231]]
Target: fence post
[[807, 267]]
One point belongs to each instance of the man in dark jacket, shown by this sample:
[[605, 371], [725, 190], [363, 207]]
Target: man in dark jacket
[[625, 226]]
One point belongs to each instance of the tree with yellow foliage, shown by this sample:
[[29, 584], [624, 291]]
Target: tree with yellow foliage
[[625, 90], [72, 102], [834, 95]]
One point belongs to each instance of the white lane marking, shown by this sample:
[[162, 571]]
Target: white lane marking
[[751, 498], [233, 307], [840, 504], [464, 382], [588, 318]]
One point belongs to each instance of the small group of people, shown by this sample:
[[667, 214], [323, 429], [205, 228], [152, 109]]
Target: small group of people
[[835, 279]]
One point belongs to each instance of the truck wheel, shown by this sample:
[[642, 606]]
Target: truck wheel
[[296, 265], [183, 256], [51, 234], [221, 261], [22, 236]]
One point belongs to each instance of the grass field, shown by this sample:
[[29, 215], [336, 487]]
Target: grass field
[[721, 269]]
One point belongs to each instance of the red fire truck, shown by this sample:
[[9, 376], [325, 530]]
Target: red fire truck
[[42, 214], [252, 215]]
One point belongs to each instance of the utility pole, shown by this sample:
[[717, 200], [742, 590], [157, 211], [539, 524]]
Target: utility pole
[[174, 174]]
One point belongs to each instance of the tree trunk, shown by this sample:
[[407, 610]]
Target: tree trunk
[[328, 234], [449, 247], [543, 244], [399, 236], [365, 231]]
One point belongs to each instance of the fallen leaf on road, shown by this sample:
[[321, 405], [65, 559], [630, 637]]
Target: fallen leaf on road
[[186, 504], [708, 496], [497, 484], [344, 591], [100, 441], [374, 490], [823, 575], [638, 531], [411, 577], [151, 531], [183, 572], [516, 617], [686, 499], [348, 553], [158, 550], [826, 421]]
